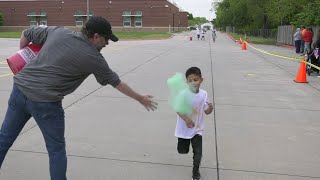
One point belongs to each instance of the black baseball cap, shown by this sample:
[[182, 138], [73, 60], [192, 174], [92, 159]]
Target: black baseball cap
[[98, 24]]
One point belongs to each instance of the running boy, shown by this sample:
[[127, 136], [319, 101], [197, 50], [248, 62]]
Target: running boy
[[189, 128], [202, 34], [198, 33]]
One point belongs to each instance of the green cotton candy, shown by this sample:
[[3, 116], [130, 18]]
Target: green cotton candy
[[180, 97]]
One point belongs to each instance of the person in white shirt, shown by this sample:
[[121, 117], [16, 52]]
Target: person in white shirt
[[214, 35], [202, 34], [198, 33], [190, 127]]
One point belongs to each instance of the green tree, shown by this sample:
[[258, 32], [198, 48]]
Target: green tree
[[241, 14], [282, 12], [308, 16], [258, 14], [1, 19], [190, 16], [263, 14], [197, 21], [223, 17]]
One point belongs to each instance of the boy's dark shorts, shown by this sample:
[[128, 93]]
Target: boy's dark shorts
[[184, 144]]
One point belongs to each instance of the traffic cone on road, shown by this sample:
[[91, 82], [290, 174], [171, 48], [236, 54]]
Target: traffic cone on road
[[301, 76], [244, 45]]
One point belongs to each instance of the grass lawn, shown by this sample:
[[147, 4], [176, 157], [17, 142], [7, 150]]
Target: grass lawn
[[256, 40], [120, 35], [10, 34]]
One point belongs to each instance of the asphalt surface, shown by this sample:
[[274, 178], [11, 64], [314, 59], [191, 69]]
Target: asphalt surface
[[265, 126]]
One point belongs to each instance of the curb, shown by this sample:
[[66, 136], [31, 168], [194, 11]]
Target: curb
[[282, 45], [287, 46], [231, 37], [236, 40]]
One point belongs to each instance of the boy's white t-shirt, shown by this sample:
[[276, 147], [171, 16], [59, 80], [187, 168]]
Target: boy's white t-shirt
[[199, 105], [198, 31]]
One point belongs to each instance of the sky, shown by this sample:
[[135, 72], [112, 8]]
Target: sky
[[198, 8]]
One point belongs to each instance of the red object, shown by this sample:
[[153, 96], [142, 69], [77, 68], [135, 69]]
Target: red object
[[18, 60], [244, 45], [307, 37], [301, 76]]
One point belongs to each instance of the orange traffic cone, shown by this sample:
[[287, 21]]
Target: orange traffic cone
[[301, 76], [244, 45]]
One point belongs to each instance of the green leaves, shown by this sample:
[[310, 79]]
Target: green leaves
[[309, 15], [197, 21], [261, 14], [190, 16], [1, 19]]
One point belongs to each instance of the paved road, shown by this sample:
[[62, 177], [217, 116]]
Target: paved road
[[267, 126]]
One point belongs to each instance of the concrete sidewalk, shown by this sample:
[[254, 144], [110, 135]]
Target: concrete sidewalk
[[267, 126]]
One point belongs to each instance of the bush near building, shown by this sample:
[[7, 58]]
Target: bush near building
[[1, 19]]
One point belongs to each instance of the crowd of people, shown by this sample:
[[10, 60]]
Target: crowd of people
[[303, 40], [201, 33]]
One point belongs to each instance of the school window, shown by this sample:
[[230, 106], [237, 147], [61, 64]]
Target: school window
[[43, 18], [126, 18], [32, 18], [81, 16], [138, 19], [78, 15]]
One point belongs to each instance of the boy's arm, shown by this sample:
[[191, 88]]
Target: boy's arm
[[189, 122], [209, 109]]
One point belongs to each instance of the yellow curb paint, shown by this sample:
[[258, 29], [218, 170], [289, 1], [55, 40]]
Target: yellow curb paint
[[4, 75], [251, 75]]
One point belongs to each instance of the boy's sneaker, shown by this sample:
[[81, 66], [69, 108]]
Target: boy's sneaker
[[196, 175]]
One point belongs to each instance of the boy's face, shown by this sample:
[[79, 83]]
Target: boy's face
[[194, 82]]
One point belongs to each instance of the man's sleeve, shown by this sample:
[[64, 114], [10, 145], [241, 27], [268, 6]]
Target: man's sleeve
[[104, 74], [37, 35]]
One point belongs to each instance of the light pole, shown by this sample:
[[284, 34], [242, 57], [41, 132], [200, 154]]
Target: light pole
[[12, 16], [87, 10], [173, 22]]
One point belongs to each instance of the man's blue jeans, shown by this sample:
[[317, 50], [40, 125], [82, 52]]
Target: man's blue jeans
[[50, 119], [297, 44]]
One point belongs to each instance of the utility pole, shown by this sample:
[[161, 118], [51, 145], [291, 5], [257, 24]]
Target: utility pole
[[173, 21], [87, 10]]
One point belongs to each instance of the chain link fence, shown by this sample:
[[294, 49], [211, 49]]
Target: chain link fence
[[265, 33]]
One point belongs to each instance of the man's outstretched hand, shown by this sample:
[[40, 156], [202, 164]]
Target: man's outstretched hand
[[148, 103]]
